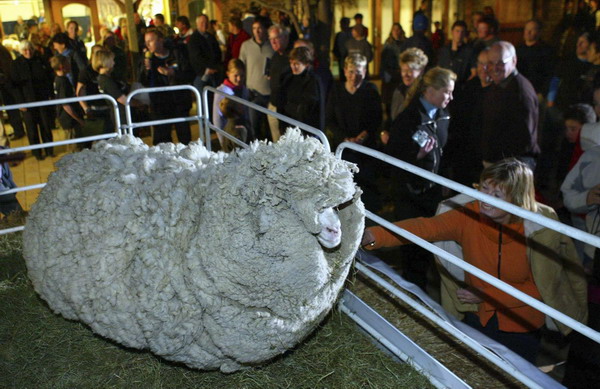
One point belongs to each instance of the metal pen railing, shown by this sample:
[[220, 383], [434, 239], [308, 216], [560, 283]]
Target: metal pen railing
[[161, 89], [205, 127], [46, 103], [305, 127], [536, 218]]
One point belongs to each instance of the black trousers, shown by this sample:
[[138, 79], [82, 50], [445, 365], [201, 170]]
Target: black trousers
[[36, 122], [525, 344], [162, 132]]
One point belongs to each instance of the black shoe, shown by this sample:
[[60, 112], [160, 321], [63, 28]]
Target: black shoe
[[40, 157], [16, 136]]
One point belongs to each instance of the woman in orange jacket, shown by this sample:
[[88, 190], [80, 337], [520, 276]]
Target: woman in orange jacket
[[535, 260]]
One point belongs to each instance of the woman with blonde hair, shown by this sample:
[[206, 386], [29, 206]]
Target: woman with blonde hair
[[103, 62], [535, 260], [417, 136], [412, 65]]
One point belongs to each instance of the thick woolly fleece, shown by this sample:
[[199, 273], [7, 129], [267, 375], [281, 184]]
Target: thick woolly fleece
[[209, 259]]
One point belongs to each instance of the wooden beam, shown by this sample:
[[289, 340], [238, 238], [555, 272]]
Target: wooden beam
[[396, 11], [131, 30], [446, 18], [48, 12], [375, 6], [93, 4]]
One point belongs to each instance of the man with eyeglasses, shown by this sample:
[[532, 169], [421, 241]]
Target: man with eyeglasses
[[510, 110]]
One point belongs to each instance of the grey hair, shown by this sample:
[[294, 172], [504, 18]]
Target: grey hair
[[356, 59], [25, 44], [415, 58], [506, 47], [282, 31]]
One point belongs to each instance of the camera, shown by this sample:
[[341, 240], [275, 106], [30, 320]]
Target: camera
[[420, 137]]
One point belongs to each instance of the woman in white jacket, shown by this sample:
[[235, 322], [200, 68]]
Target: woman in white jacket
[[581, 189]]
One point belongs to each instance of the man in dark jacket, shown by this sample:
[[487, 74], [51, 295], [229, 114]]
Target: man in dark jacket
[[280, 68], [510, 110], [32, 78], [74, 42], [164, 66], [205, 57], [536, 58], [418, 39], [77, 61]]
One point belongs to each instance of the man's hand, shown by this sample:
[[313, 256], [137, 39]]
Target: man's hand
[[166, 71]]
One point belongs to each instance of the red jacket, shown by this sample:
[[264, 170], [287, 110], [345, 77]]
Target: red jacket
[[234, 43]]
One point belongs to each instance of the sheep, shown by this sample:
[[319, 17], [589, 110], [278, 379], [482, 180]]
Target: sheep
[[218, 261]]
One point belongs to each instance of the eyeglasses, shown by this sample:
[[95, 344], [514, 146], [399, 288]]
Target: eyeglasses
[[499, 64]]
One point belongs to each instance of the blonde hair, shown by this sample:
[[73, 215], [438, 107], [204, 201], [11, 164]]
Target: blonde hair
[[515, 178], [437, 78], [356, 60], [236, 65], [414, 57], [103, 59]]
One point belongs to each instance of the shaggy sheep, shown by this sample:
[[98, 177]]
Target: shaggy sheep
[[214, 260]]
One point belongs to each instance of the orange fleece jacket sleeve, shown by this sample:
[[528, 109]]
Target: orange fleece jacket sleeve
[[446, 226]]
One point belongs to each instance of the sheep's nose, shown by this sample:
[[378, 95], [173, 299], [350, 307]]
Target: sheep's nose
[[332, 230]]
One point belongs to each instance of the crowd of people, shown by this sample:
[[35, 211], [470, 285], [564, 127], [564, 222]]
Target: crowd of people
[[473, 104]]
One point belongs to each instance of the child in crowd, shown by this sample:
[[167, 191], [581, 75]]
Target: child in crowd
[[574, 118], [234, 85], [70, 116], [236, 124]]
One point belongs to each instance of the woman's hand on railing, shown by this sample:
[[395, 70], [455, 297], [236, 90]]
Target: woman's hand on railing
[[368, 240]]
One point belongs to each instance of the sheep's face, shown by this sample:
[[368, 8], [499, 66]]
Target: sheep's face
[[330, 235]]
